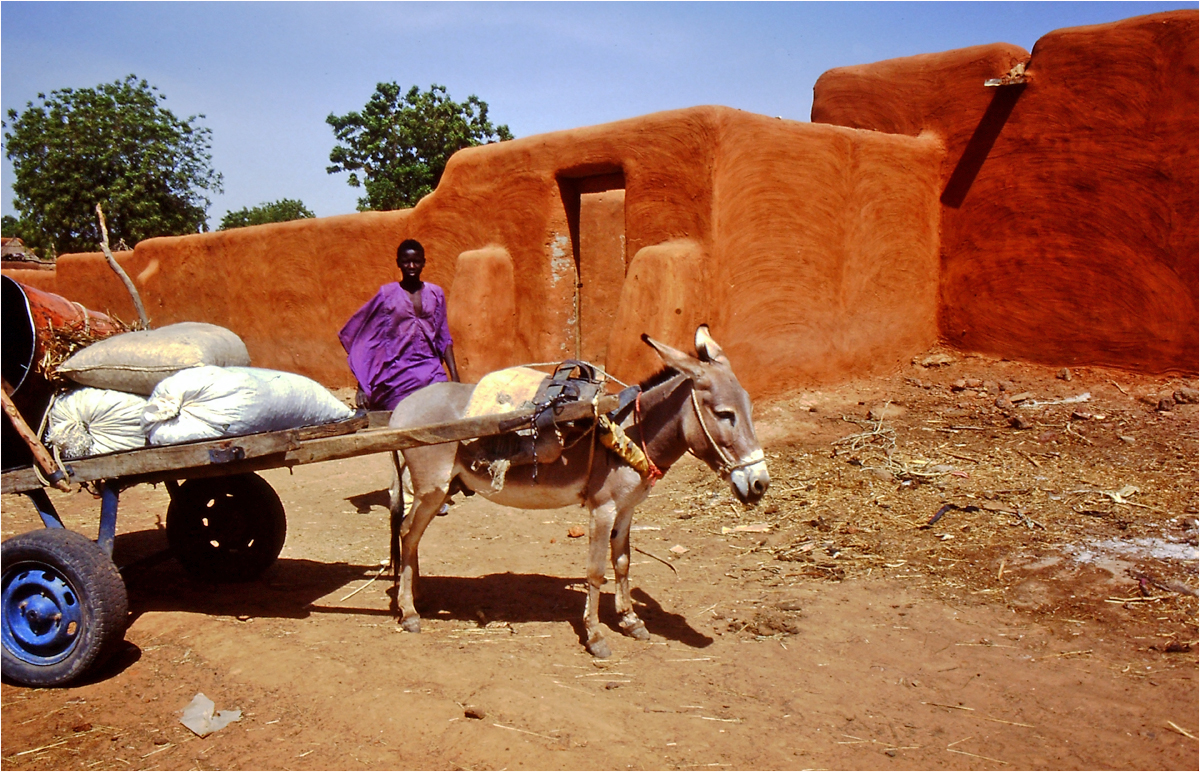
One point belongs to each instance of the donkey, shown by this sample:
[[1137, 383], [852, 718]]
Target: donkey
[[693, 405]]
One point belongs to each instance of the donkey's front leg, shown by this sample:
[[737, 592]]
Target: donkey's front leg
[[630, 623], [601, 528]]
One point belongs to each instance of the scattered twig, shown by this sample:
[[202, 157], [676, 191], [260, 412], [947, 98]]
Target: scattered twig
[[365, 584], [1079, 653], [1181, 731], [1028, 521], [943, 705], [42, 748], [1084, 397], [159, 750], [976, 755], [946, 508], [1071, 431], [526, 731], [660, 560], [1010, 723], [862, 439], [1176, 587], [1139, 600], [1120, 388]]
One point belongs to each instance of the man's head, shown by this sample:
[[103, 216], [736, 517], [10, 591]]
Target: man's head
[[410, 258]]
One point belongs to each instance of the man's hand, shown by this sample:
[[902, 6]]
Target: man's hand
[[451, 365]]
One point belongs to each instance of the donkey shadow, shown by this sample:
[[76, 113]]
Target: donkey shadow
[[296, 588], [364, 502], [524, 598]]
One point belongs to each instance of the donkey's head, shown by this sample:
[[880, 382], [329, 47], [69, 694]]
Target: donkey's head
[[716, 421]]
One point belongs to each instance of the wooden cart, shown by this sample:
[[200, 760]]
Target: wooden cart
[[64, 601]]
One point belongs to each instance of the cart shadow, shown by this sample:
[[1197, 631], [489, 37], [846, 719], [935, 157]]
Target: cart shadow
[[154, 581], [297, 588]]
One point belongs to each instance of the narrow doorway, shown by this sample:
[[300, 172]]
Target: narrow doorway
[[596, 206]]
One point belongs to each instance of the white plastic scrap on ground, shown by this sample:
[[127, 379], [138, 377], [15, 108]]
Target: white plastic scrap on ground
[[198, 716], [1160, 549]]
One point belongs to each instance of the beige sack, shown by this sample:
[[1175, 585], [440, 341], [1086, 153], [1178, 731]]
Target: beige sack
[[135, 362]]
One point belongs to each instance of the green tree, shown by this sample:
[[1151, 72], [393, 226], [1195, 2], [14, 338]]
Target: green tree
[[400, 143], [283, 210], [114, 145], [10, 227]]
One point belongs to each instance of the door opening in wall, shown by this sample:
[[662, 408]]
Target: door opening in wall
[[595, 207]]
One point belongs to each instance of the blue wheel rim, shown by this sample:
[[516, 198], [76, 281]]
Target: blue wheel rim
[[43, 615]]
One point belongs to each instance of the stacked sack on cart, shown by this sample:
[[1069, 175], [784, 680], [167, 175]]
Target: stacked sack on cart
[[178, 383]]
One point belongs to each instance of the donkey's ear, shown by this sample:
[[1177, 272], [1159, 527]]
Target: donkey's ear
[[707, 348], [674, 358]]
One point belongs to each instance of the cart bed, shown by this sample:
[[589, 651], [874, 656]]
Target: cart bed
[[362, 435]]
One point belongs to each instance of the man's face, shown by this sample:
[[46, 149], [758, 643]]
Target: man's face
[[411, 264]]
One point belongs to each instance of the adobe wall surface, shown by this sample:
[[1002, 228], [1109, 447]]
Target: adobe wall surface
[[825, 263], [809, 269], [1069, 204]]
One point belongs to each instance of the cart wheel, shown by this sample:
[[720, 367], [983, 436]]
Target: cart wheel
[[226, 529], [64, 607]]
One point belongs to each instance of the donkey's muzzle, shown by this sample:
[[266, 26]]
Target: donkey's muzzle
[[750, 482]]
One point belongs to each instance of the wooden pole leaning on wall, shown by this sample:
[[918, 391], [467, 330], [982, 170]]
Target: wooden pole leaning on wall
[[112, 262]]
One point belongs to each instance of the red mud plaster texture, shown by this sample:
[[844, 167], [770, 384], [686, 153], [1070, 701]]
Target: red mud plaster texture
[[825, 262], [1069, 223]]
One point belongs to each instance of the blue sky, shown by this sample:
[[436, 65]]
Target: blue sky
[[266, 75]]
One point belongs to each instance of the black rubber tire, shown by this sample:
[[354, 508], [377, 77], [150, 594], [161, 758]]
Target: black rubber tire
[[65, 573], [226, 529]]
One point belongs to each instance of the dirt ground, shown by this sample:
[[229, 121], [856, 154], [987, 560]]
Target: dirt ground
[[1046, 620]]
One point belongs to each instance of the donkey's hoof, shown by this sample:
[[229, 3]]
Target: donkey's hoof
[[599, 648], [637, 630], [411, 625]]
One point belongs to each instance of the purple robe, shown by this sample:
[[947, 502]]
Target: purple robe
[[392, 351]]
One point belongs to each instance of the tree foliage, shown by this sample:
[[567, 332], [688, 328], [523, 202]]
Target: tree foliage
[[114, 145], [283, 210], [398, 145], [10, 227]]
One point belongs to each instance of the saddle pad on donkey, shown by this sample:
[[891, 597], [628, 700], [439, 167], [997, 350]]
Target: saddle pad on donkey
[[504, 391]]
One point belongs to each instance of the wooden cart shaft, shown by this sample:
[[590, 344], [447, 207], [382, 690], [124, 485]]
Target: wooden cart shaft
[[292, 447]]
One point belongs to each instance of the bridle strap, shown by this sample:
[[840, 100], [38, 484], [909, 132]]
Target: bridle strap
[[728, 463]]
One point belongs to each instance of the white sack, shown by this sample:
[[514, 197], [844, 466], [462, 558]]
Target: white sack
[[209, 402], [88, 422], [137, 361]]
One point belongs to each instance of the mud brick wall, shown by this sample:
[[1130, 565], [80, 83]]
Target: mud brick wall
[[1069, 203], [810, 250]]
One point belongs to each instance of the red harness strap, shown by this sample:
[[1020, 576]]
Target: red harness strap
[[653, 474]]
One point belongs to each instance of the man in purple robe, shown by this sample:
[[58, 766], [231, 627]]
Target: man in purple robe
[[398, 342]]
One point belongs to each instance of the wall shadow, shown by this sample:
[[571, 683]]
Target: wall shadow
[[980, 145]]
